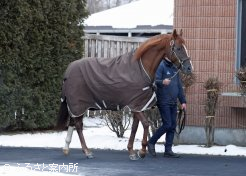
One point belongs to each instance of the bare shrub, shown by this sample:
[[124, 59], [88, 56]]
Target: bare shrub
[[241, 76], [117, 121], [212, 86]]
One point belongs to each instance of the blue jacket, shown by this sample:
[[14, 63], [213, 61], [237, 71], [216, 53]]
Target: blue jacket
[[168, 94]]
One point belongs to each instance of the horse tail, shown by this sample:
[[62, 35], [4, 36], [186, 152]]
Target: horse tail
[[62, 117]]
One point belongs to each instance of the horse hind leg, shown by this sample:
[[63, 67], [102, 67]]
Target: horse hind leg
[[79, 128], [69, 136], [68, 140]]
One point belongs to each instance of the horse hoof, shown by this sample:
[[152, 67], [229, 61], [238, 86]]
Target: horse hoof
[[89, 155], [141, 154], [65, 151], [134, 157]]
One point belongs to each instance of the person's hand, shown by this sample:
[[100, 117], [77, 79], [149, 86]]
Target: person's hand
[[166, 81], [183, 106]]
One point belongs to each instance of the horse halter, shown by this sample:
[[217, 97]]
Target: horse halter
[[181, 61], [173, 53]]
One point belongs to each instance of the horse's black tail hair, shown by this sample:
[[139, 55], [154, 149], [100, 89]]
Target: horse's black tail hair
[[62, 117]]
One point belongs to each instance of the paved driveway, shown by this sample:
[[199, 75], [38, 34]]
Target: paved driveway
[[116, 163]]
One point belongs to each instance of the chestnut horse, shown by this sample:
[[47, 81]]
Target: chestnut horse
[[147, 56]]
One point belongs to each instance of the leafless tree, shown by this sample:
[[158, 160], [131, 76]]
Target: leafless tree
[[118, 3], [94, 6]]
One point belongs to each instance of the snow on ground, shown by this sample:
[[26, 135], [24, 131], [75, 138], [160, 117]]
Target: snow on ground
[[98, 136]]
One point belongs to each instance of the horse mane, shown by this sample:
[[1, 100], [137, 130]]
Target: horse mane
[[151, 42]]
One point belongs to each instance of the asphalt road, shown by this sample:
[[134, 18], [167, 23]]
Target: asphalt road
[[117, 163]]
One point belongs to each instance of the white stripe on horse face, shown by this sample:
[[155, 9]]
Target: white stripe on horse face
[[188, 55], [191, 65]]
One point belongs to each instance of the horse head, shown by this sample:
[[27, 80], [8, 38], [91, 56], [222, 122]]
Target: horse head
[[178, 54], [156, 48]]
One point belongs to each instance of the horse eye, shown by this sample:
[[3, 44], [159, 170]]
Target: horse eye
[[178, 48]]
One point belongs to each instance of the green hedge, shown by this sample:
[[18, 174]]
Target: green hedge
[[38, 39]]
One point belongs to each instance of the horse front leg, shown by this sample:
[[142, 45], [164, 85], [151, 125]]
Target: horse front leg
[[145, 123], [135, 123], [79, 128]]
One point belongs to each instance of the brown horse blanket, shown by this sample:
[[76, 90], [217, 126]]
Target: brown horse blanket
[[107, 84]]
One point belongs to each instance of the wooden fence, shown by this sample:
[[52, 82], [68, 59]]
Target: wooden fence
[[109, 46]]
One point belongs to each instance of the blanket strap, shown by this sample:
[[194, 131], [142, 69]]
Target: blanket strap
[[98, 106], [148, 103]]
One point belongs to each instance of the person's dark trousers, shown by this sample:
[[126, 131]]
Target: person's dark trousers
[[168, 115]]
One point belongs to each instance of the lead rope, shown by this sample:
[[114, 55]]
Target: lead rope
[[174, 75], [181, 120]]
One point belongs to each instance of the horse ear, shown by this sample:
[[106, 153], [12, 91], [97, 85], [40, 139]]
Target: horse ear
[[181, 32], [175, 34]]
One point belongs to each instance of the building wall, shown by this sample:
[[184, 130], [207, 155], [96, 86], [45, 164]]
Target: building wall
[[209, 28]]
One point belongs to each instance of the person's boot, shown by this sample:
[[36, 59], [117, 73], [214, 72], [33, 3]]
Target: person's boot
[[151, 149], [171, 154]]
